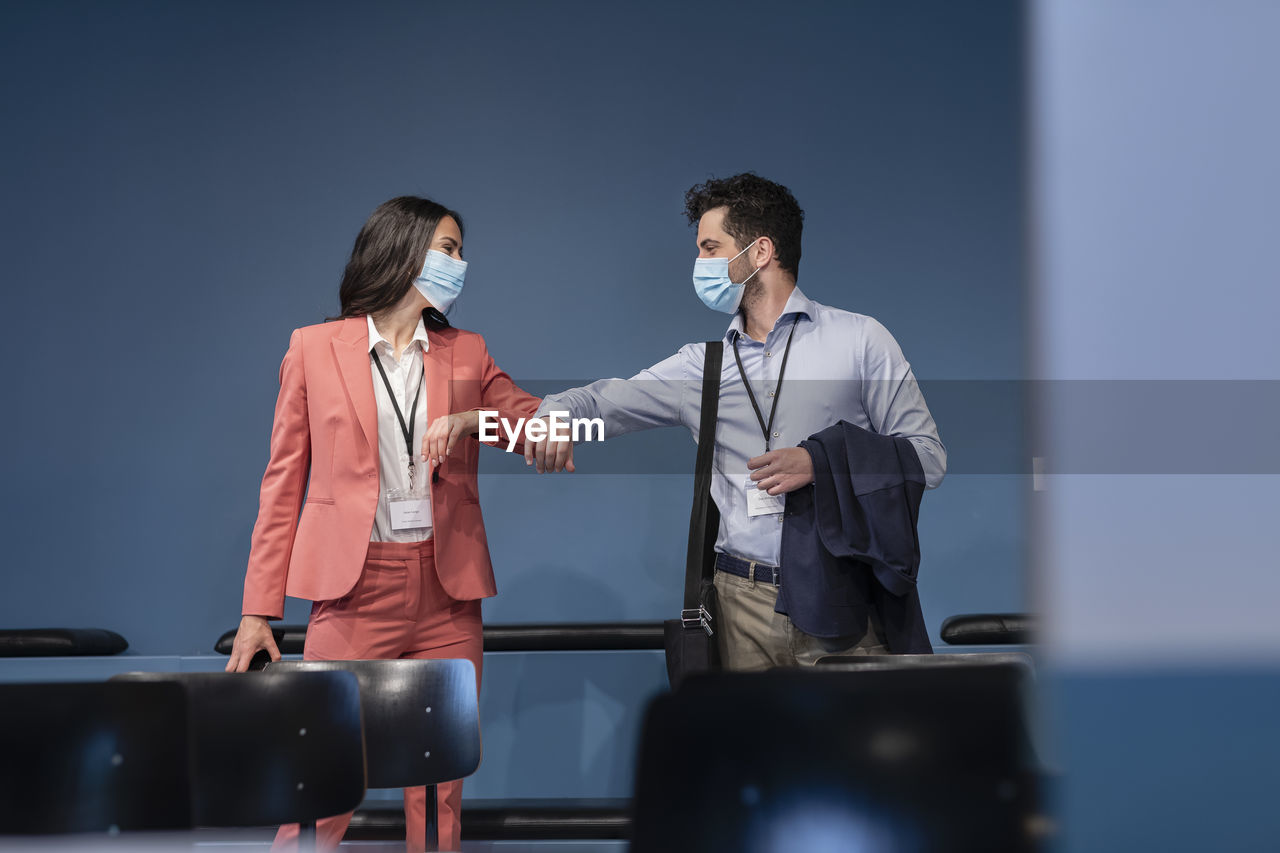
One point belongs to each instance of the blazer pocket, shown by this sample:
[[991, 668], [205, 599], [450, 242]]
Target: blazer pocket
[[324, 501]]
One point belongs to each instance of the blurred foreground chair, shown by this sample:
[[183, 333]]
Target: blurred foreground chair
[[421, 720], [908, 758], [97, 757], [270, 748]]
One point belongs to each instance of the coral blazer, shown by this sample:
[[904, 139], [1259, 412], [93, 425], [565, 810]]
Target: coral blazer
[[321, 489]]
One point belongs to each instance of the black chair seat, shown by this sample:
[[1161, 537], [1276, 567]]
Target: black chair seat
[[989, 629], [289, 639], [552, 637], [573, 637], [50, 642]]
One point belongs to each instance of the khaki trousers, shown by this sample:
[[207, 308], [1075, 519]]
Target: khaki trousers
[[754, 637]]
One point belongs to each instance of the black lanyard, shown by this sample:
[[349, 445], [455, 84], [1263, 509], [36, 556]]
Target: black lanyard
[[407, 431], [767, 429]]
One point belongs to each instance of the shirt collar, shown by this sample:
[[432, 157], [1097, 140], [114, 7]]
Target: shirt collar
[[375, 337], [797, 304]]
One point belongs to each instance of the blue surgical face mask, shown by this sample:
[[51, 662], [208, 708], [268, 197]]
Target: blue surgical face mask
[[712, 283], [441, 279]]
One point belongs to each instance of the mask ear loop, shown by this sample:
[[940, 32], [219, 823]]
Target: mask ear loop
[[740, 254]]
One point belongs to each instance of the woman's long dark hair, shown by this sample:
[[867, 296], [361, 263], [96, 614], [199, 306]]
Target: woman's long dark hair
[[388, 255]]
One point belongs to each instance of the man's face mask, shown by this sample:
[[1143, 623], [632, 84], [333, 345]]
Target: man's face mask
[[713, 286]]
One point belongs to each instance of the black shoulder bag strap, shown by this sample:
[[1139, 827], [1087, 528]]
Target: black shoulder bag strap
[[689, 641], [704, 520]]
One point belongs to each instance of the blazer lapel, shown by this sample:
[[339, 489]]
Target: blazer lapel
[[351, 349], [437, 361]]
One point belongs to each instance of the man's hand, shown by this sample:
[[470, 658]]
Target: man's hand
[[253, 635], [548, 454], [444, 433], [782, 471]]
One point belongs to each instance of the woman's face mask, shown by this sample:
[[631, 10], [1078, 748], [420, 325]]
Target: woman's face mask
[[441, 279]]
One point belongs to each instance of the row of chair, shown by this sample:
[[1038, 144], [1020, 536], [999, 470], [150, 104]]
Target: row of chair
[[967, 629], [292, 744], [963, 629], [405, 744]]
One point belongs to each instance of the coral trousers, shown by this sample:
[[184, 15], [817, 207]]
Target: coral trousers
[[396, 610]]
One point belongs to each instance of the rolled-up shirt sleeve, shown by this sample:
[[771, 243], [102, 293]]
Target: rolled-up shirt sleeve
[[892, 400]]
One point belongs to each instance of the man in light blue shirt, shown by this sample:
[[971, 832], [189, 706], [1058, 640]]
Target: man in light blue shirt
[[808, 366]]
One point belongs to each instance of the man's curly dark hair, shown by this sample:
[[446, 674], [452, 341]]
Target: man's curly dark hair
[[757, 208]]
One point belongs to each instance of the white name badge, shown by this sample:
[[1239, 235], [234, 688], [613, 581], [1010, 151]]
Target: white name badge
[[409, 512], [760, 502]]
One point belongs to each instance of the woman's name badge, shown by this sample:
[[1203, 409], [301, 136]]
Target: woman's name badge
[[409, 510], [760, 502]]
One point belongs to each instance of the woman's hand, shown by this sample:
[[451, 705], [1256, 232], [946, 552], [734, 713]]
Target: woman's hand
[[548, 454], [444, 433], [253, 635]]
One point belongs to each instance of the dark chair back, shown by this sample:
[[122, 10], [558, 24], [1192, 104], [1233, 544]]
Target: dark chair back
[[421, 719], [271, 748], [422, 722], [93, 758], [905, 759]]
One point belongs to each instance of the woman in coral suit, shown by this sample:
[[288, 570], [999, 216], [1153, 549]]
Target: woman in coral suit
[[364, 509]]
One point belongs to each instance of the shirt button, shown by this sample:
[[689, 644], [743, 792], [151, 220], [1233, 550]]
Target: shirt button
[[768, 354], [775, 435], [771, 393], [779, 519]]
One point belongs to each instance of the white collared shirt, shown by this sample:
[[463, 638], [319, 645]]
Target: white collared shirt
[[405, 374]]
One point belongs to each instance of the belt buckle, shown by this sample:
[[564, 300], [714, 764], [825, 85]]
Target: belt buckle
[[697, 618]]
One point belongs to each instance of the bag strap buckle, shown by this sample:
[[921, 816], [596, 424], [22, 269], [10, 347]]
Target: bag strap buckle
[[697, 618]]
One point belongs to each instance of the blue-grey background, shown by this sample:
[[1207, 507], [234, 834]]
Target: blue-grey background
[[1154, 227], [183, 183]]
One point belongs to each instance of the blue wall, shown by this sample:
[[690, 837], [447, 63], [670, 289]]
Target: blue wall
[[183, 181]]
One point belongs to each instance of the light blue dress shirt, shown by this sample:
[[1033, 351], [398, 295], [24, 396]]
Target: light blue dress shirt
[[843, 366]]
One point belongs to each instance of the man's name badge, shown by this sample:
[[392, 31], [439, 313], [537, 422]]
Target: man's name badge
[[760, 502]]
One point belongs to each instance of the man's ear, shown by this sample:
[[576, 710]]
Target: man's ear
[[763, 252]]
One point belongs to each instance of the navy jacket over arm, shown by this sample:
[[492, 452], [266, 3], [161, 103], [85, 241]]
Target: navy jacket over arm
[[849, 543]]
